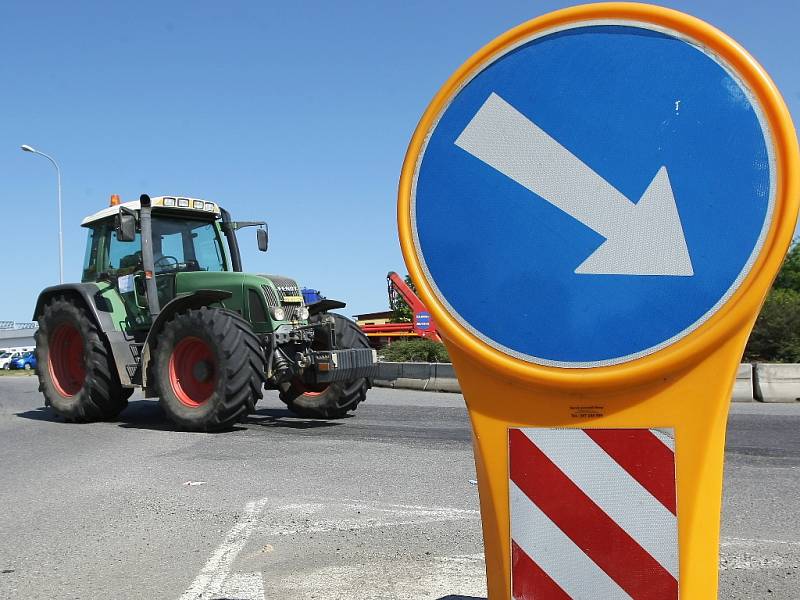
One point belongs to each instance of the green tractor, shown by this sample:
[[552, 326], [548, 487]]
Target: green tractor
[[163, 305]]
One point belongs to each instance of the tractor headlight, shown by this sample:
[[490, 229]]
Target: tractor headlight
[[302, 313], [278, 313]]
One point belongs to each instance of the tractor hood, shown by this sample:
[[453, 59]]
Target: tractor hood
[[274, 290], [287, 288], [278, 289]]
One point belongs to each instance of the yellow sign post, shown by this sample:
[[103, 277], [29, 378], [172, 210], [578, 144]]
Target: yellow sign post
[[593, 207]]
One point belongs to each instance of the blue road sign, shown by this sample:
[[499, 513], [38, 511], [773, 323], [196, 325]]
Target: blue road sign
[[423, 320], [594, 194]]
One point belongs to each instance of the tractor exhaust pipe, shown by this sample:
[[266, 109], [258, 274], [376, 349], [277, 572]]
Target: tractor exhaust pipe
[[148, 262]]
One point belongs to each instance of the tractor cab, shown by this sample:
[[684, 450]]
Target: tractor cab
[[188, 235], [185, 238]]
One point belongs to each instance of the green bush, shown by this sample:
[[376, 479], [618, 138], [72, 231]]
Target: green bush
[[776, 335], [415, 351]]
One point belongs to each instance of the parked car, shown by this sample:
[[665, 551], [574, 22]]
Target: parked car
[[27, 361], [7, 357]]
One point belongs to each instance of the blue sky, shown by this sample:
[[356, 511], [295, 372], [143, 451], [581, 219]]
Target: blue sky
[[296, 113]]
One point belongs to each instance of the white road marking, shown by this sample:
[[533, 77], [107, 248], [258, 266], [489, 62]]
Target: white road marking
[[735, 541], [380, 516], [463, 558], [400, 580], [243, 586], [734, 554], [433, 579], [209, 582], [747, 561]]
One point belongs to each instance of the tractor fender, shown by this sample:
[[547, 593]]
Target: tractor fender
[[100, 312], [180, 303], [325, 305], [89, 293]]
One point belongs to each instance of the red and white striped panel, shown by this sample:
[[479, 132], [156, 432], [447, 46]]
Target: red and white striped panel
[[593, 514]]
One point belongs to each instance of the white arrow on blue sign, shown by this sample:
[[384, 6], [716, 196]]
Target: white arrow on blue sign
[[594, 194], [645, 238]]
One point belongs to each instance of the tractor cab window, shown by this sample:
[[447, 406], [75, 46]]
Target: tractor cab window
[[178, 245], [106, 255], [124, 258], [186, 245], [89, 258]]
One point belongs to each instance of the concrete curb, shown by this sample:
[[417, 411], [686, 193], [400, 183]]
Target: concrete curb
[[743, 387], [433, 377], [762, 382], [777, 382]]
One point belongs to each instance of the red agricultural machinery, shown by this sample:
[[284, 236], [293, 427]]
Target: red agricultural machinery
[[422, 324]]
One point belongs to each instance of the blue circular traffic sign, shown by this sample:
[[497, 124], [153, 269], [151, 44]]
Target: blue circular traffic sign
[[593, 194]]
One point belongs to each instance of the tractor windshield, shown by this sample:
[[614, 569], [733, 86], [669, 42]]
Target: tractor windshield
[[179, 244], [186, 245]]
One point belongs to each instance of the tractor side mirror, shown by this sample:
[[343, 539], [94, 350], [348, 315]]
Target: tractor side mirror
[[263, 239], [126, 225]]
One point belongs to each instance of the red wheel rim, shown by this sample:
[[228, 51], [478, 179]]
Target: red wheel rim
[[310, 391], [65, 360], [192, 371], [319, 393]]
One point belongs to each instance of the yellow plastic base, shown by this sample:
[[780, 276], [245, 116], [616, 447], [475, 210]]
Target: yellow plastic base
[[695, 402]]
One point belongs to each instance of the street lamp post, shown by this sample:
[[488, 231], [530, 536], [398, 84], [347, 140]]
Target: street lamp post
[[27, 148]]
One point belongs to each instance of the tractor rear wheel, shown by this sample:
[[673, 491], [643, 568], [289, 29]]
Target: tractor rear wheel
[[332, 400], [209, 369], [76, 370]]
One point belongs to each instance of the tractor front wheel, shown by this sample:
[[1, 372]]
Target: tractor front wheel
[[209, 369], [76, 371], [332, 400]]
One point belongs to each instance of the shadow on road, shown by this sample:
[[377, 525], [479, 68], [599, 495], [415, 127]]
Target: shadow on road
[[147, 414], [282, 417], [462, 598], [140, 414]]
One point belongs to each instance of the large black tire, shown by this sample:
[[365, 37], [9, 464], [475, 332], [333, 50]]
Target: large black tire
[[333, 400], [75, 367], [209, 369]]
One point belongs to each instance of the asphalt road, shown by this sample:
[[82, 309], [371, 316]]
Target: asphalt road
[[379, 506]]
